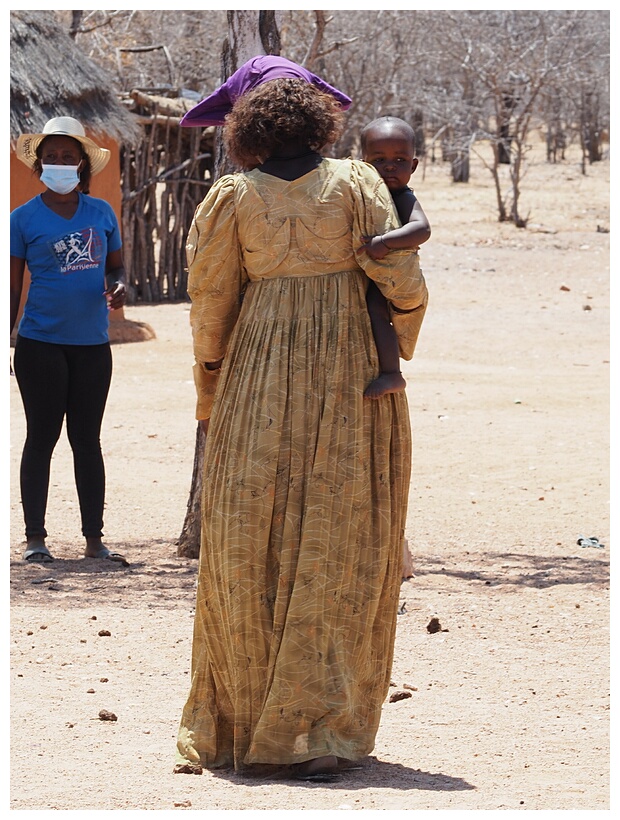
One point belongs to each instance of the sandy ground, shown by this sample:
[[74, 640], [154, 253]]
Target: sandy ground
[[507, 705]]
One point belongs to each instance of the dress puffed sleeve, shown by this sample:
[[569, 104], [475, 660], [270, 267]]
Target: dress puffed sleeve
[[398, 275], [216, 278]]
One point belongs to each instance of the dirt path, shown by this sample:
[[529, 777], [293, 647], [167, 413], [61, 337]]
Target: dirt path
[[507, 705]]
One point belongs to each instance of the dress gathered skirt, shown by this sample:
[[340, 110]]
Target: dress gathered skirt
[[305, 482]]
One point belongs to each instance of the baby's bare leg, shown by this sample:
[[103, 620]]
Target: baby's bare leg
[[390, 380]]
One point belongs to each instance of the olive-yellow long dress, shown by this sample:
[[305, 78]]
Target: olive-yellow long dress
[[305, 481]]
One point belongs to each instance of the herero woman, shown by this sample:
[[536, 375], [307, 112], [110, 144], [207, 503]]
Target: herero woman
[[305, 483]]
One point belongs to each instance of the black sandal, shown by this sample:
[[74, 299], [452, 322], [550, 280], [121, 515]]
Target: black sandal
[[38, 555]]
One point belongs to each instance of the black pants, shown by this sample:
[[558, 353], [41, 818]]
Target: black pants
[[58, 382]]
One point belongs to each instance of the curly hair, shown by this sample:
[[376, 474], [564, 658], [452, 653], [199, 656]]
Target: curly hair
[[276, 113], [85, 173]]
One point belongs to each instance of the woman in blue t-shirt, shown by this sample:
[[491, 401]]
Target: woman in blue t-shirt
[[71, 244]]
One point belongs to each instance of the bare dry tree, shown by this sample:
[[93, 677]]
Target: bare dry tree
[[249, 33], [511, 58], [462, 78]]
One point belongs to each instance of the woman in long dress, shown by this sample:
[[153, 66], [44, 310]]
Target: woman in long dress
[[305, 482]]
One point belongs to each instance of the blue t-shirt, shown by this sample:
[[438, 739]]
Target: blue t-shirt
[[66, 259]]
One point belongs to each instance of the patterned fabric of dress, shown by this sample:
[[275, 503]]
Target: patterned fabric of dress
[[305, 482]]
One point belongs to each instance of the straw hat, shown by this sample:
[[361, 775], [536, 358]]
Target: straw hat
[[27, 144]]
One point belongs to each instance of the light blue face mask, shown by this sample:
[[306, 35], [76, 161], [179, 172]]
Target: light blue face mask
[[60, 178]]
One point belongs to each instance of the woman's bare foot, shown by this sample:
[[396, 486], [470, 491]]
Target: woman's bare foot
[[319, 768], [385, 383], [344, 764], [95, 548]]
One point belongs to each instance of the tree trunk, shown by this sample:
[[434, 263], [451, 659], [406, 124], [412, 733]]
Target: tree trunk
[[590, 129], [459, 166], [188, 543], [76, 22], [417, 123], [250, 33], [508, 103], [501, 207]]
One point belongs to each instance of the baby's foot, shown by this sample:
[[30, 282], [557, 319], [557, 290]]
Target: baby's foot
[[385, 383]]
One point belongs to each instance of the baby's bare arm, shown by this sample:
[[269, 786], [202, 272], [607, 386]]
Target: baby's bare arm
[[415, 230]]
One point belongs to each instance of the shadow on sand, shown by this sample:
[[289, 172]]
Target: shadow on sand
[[368, 774]]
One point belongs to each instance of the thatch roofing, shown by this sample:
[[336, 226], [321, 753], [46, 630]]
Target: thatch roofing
[[51, 77]]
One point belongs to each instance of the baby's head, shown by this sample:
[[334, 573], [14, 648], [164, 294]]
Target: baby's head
[[388, 143]]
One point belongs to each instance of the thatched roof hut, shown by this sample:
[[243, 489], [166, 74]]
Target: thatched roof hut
[[51, 77], [165, 170]]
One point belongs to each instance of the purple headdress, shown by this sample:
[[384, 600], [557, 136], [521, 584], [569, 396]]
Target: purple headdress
[[258, 70]]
